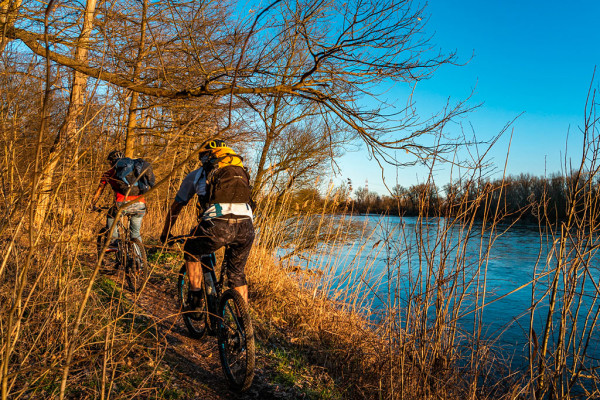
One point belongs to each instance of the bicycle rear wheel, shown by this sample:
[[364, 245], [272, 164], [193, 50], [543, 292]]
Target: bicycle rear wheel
[[136, 270], [196, 326], [113, 256], [236, 340]]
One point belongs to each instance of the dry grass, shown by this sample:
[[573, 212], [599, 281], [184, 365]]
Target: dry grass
[[420, 347], [69, 332]]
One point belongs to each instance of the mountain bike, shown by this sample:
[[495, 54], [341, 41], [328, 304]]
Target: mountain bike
[[224, 314], [126, 254]]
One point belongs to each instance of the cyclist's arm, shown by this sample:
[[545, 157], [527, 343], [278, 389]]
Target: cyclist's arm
[[171, 218], [186, 191], [98, 193]]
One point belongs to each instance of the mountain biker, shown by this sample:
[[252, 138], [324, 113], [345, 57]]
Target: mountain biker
[[135, 211], [227, 223]]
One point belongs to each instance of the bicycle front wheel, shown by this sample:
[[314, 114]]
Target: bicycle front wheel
[[236, 340], [136, 270], [194, 321]]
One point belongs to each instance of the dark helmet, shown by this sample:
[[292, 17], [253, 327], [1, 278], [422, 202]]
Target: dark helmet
[[114, 156]]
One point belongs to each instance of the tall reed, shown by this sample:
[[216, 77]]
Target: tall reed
[[419, 326], [566, 293], [415, 329]]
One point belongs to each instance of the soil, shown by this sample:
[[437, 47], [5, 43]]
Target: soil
[[194, 364]]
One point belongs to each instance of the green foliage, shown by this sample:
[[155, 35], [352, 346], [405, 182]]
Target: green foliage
[[292, 369], [163, 257], [105, 287]]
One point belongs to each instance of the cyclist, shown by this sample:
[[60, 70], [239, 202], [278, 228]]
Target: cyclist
[[225, 222], [135, 211]]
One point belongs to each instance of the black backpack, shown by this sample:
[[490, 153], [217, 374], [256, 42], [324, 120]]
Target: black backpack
[[227, 180], [228, 184], [134, 177]]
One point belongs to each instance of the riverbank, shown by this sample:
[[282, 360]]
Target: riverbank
[[137, 347], [312, 343], [311, 347]]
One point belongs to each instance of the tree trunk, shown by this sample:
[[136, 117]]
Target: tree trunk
[[132, 116], [8, 13], [68, 131]]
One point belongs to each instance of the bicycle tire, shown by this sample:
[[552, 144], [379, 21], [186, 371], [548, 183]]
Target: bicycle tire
[[121, 255], [236, 341], [112, 257], [136, 269], [196, 327]]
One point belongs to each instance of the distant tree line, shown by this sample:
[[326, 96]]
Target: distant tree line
[[524, 197]]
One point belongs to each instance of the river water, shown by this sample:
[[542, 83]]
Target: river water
[[384, 262]]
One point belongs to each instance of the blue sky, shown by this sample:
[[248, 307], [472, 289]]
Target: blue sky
[[532, 57]]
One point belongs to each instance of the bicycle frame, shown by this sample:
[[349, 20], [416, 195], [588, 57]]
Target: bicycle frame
[[213, 288], [225, 315], [130, 254], [208, 271], [122, 229], [118, 225]]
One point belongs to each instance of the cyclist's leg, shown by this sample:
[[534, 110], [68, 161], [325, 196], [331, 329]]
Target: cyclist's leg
[[192, 257], [205, 240], [194, 269], [110, 219], [243, 290], [237, 255], [136, 212]]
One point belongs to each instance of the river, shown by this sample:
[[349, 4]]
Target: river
[[386, 266]]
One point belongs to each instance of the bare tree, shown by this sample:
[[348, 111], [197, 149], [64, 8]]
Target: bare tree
[[133, 105], [66, 134], [8, 13], [343, 54]]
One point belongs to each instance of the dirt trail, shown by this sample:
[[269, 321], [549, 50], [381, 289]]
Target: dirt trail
[[195, 363]]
